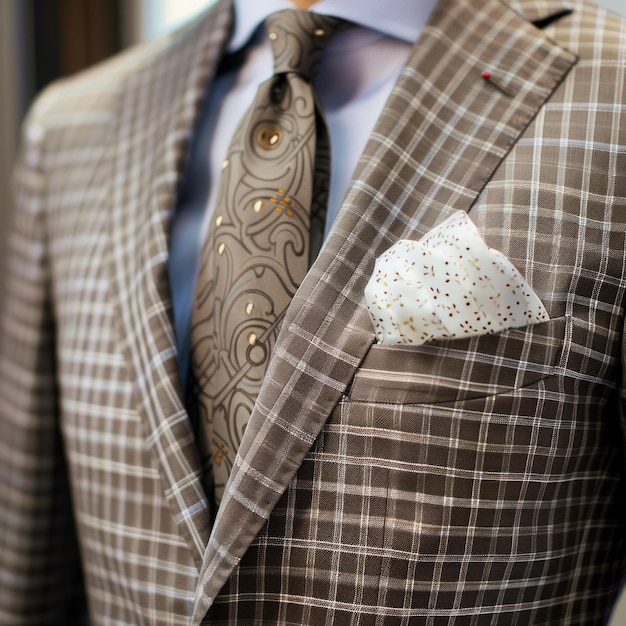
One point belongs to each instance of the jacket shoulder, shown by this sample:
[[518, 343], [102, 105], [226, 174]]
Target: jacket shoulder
[[590, 31], [95, 90]]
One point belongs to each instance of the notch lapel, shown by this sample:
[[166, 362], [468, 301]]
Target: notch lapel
[[443, 132], [155, 122]]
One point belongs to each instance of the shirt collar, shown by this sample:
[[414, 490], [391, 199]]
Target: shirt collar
[[401, 19]]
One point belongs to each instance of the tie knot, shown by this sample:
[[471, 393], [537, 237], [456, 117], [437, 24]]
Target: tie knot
[[298, 38]]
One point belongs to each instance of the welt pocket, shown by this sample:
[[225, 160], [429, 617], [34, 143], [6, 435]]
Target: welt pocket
[[452, 370]]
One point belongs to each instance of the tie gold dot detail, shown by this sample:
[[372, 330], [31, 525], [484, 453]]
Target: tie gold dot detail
[[279, 154]]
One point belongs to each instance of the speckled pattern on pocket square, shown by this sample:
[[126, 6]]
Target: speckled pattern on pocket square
[[447, 284]]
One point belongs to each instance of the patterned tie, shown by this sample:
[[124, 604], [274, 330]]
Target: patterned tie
[[268, 228]]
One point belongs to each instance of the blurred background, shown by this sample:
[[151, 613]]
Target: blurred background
[[41, 40]]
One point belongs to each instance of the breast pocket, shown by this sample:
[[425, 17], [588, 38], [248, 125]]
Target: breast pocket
[[454, 370]]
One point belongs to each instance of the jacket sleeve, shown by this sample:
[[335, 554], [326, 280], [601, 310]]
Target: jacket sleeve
[[40, 579]]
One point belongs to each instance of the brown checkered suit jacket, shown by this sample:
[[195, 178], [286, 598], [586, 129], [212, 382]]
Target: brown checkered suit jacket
[[470, 482]]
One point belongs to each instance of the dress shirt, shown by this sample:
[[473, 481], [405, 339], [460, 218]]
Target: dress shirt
[[357, 72]]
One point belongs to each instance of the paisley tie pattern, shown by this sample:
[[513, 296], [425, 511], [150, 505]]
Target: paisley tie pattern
[[267, 229]]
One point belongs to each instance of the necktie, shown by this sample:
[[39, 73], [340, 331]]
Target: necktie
[[267, 229]]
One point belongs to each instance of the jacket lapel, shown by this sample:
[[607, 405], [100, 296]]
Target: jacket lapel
[[155, 121], [445, 129]]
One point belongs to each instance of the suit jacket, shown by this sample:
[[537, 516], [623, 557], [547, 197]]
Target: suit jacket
[[467, 481]]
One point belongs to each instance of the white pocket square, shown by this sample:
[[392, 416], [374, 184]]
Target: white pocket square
[[447, 284]]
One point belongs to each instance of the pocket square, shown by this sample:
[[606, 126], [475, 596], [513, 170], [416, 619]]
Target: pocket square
[[448, 284]]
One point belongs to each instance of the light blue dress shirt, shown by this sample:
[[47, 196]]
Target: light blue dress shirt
[[356, 74]]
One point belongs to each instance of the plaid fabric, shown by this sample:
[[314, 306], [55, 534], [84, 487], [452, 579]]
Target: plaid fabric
[[476, 481], [87, 362]]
